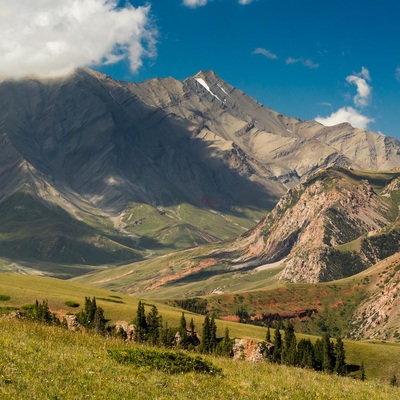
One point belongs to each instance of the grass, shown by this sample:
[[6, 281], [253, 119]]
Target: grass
[[41, 362], [381, 360], [182, 226]]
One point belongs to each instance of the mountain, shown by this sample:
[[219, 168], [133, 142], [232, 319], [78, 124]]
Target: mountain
[[338, 223], [105, 171]]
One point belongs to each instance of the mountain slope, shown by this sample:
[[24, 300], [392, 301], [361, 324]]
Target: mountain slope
[[104, 150], [333, 225]]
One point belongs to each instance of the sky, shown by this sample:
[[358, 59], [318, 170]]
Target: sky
[[330, 60]]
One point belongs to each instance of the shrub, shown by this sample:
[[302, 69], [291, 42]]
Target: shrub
[[111, 300], [171, 362], [4, 297], [71, 303]]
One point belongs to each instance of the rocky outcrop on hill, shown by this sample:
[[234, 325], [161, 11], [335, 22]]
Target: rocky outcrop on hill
[[251, 350], [377, 317], [312, 220]]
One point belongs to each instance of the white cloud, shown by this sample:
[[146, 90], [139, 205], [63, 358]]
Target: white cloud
[[53, 37], [245, 2], [346, 114], [306, 62], [363, 96], [398, 73], [194, 3], [265, 53]]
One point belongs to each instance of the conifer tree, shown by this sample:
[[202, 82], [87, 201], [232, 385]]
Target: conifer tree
[[99, 322], [154, 324], [305, 354], [393, 381], [340, 363], [277, 353], [268, 336], [224, 347], [289, 346], [209, 338], [183, 331], [193, 339], [213, 334], [318, 355], [141, 324], [328, 358], [205, 343]]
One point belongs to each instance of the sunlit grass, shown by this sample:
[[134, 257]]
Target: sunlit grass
[[41, 362]]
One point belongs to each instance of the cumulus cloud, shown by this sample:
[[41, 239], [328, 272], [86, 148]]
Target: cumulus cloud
[[53, 37], [346, 114], [265, 53], [398, 73], [363, 96], [245, 2], [194, 3], [306, 62]]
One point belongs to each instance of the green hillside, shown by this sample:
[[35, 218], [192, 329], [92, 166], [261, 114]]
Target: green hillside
[[41, 362], [381, 359]]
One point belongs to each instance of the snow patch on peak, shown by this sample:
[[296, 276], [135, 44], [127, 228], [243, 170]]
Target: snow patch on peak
[[205, 85], [220, 86]]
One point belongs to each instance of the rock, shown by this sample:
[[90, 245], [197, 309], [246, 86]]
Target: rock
[[251, 350], [129, 330], [73, 323]]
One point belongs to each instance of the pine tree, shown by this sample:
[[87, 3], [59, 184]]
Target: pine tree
[[154, 323], [289, 346], [328, 358], [268, 336], [99, 322], [318, 354], [166, 336], [183, 331], [141, 324], [277, 353], [393, 381], [209, 337], [224, 347], [340, 363], [213, 334], [193, 339], [305, 354]]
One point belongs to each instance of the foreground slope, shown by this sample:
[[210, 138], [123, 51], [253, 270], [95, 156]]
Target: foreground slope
[[41, 362], [31, 345], [158, 165]]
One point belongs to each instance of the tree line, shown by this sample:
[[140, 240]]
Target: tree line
[[150, 329], [322, 355]]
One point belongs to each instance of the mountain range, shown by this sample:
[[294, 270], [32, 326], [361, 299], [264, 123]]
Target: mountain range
[[96, 171]]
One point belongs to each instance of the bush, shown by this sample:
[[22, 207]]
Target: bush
[[167, 361], [4, 297], [71, 303]]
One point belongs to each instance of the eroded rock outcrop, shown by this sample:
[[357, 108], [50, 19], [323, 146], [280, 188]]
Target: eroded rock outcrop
[[251, 350]]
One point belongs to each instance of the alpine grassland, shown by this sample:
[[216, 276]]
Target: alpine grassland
[[46, 362]]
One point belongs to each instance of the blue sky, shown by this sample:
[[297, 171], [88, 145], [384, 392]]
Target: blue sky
[[306, 50], [303, 58]]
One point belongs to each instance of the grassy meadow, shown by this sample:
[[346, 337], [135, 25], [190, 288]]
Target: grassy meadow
[[43, 362], [382, 360]]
